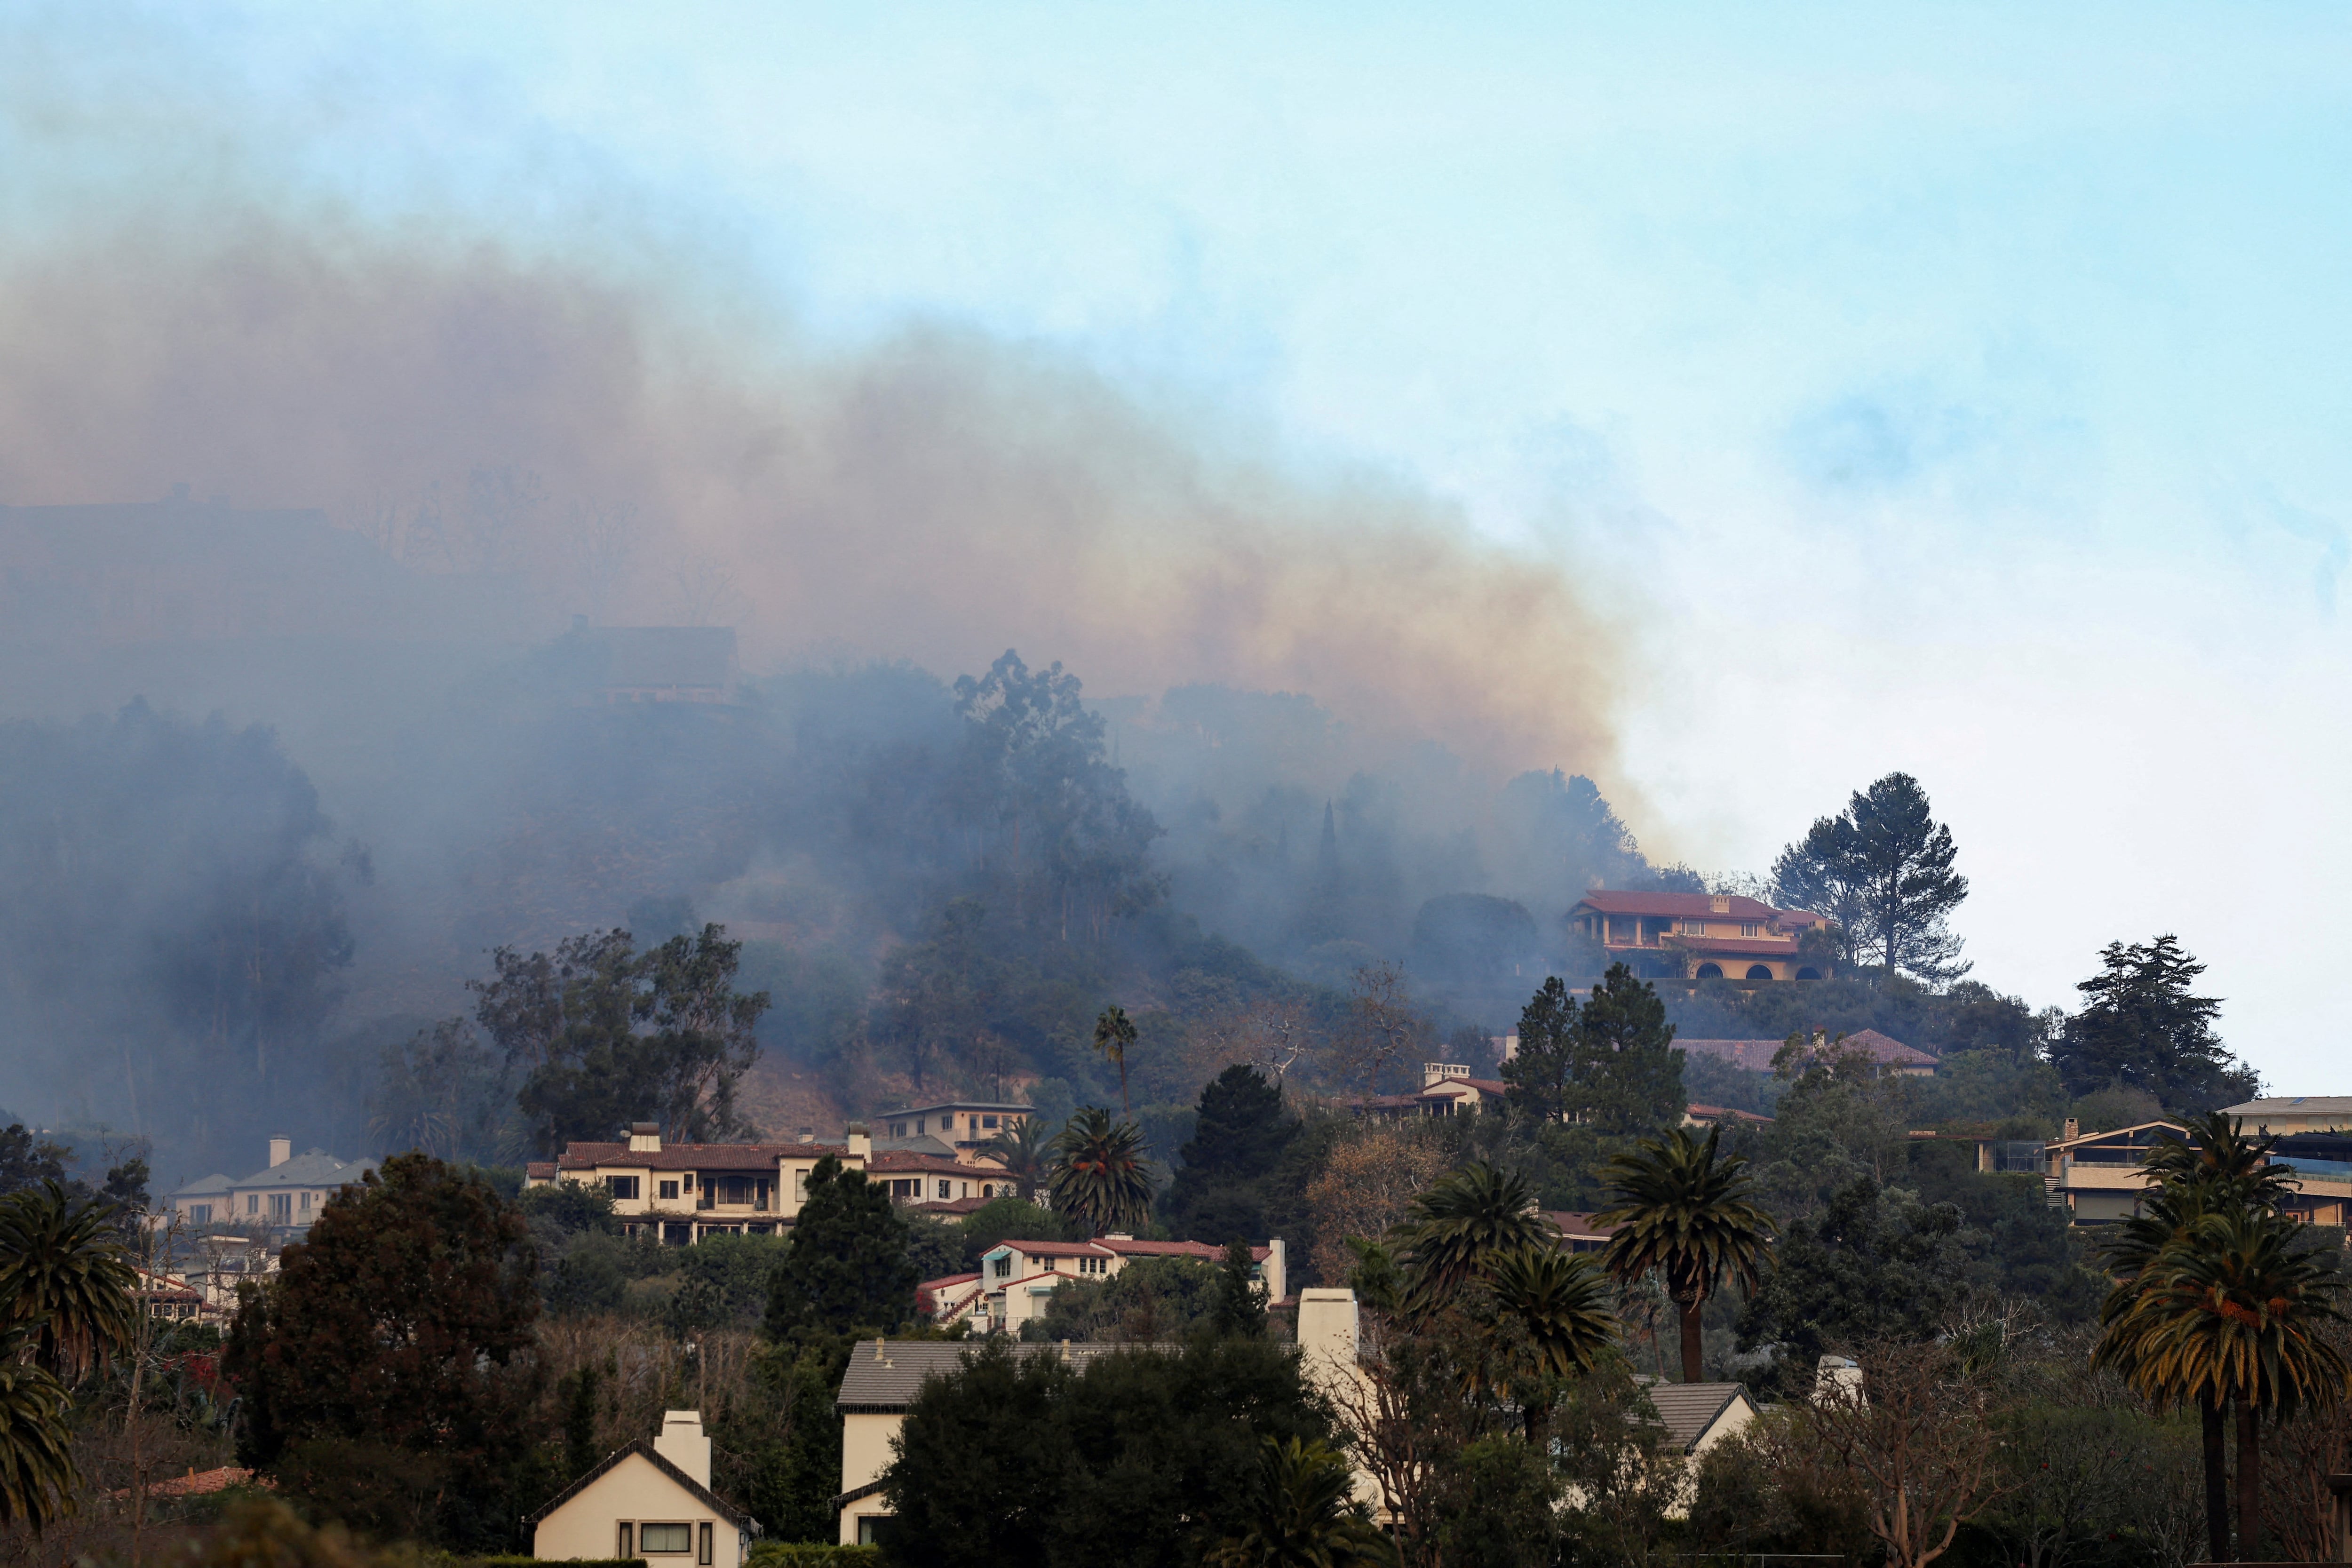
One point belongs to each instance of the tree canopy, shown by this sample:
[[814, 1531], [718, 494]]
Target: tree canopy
[[845, 1268], [1241, 1131], [2143, 1027], [1883, 870]]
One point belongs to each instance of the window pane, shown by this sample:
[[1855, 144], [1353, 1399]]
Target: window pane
[[665, 1538]]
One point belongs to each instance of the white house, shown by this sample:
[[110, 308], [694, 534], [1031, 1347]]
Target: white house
[[650, 1500], [281, 1198], [1016, 1276]]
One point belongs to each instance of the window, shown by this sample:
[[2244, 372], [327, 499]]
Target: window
[[665, 1538], [702, 1541], [281, 1207], [1750, 927], [1093, 1264], [623, 1188], [947, 1190], [989, 1122], [800, 1185], [734, 1189], [689, 1181], [897, 1129], [921, 1126], [1696, 928], [253, 1203], [1004, 1267], [668, 1189], [628, 1542], [306, 1203], [870, 1530], [200, 1214]]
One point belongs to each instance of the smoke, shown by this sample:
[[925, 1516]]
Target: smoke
[[601, 450]]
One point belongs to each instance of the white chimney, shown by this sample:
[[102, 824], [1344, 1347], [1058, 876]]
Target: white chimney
[[1327, 1339], [645, 1137], [280, 1151], [861, 1143], [682, 1443], [1276, 1272]]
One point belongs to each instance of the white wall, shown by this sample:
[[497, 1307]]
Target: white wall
[[589, 1524]]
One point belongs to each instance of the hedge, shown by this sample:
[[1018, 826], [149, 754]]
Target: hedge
[[809, 1555]]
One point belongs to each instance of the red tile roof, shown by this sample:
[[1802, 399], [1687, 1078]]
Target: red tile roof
[[539, 1171], [953, 1205], [1052, 1249], [1488, 1085], [1692, 906], [694, 1156], [1756, 1055], [1717, 1112], [1744, 946], [903, 1162]]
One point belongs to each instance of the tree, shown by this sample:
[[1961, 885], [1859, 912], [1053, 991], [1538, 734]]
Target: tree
[[26, 1163], [439, 1092], [1915, 1429], [1876, 1264], [1305, 1515], [1239, 1313], [1098, 1171], [38, 1480], [607, 1035], [1382, 1029], [1882, 871], [1148, 1458], [63, 1279], [1628, 1077], [1560, 1303], [1684, 1211], [1026, 1151], [397, 1341], [1467, 1217], [1538, 1072], [2142, 1027], [846, 1268], [1114, 1032], [1239, 1138]]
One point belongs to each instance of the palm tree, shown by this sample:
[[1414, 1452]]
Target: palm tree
[[2231, 1311], [63, 1279], [1307, 1515], [2216, 1170], [1025, 1150], [1562, 1302], [38, 1479], [1098, 1175], [1113, 1034], [1464, 1217], [1684, 1212]]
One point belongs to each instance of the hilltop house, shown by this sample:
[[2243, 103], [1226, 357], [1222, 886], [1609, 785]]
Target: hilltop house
[[1446, 1089], [1701, 936], [281, 1199], [679, 1194], [962, 1125], [652, 1501], [1016, 1276]]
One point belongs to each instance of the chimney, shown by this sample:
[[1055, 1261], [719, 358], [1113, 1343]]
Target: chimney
[[280, 1151], [808, 1134], [681, 1442], [861, 1142], [1328, 1338], [645, 1137], [2072, 1130], [1718, 903], [1276, 1272]]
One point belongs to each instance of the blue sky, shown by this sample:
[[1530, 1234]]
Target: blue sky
[[1957, 388]]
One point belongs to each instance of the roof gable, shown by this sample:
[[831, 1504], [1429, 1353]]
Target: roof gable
[[643, 1451], [1688, 1410]]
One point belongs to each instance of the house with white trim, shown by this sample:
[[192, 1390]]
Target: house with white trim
[[651, 1501], [1018, 1277], [678, 1194]]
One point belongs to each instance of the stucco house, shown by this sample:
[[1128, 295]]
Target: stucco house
[[649, 1500], [1701, 936], [1017, 1277], [679, 1192], [280, 1199]]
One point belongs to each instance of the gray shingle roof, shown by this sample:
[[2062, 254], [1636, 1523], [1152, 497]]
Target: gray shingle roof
[[885, 1375], [1688, 1409], [312, 1168]]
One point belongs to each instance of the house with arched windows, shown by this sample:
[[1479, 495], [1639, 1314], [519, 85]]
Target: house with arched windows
[[1702, 936]]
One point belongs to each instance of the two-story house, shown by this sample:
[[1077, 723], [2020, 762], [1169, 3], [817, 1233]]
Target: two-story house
[[962, 1125], [279, 1200], [1016, 1276], [681, 1193], [937, 1183], [1446, 1089], [1700, 936]]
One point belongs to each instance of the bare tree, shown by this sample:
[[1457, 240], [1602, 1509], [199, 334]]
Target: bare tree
[[1383, 1026], [1915, 1431]]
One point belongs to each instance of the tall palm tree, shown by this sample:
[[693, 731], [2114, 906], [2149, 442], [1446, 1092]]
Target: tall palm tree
[[63, 1279], [1099, 1173], [1305, 1515], [38, 1479], [1024, 1150], [1113, 1034], [1466, 1217], [1684, 1210], [1561, 1300], [2231, 1313], [2215, 1170]]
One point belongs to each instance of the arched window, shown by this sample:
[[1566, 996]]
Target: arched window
[[1710, 972], [1809, 973], [1758, 972]]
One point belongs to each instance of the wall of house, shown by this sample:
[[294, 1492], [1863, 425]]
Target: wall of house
[[634, 1491], [864, 1455]]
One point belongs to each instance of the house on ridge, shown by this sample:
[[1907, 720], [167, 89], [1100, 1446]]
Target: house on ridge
[[1701, 936]]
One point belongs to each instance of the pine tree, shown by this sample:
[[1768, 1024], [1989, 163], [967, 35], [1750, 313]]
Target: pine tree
[[1628, 1077], [1239, 1313], [1240, 1136], [2143, 1027], [1539, 1071], [845, 1269]]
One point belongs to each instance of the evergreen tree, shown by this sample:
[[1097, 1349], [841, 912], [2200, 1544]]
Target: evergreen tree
[[1538, 1073], [1221, 1189], [2143, 1027], [1882, 871], [845, 1269], [1240, 1310], [1627, 1077], [397, 1341]]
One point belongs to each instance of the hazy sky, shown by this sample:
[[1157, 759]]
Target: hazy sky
[[1960, 389]]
